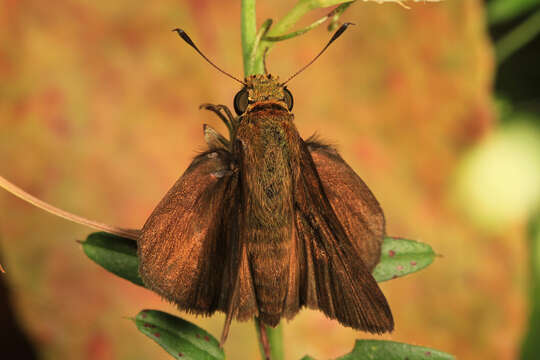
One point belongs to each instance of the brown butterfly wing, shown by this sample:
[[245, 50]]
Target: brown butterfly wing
[[336, 279], [182, 248], [354, 204]]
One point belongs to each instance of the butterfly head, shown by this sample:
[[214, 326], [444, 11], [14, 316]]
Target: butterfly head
[[262, 90]]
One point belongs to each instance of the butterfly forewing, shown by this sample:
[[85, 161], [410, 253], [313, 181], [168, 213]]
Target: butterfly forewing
[[352, 201], [182, 248]]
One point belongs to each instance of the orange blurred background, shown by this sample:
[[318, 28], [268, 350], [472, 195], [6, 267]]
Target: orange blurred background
[[99, 116]]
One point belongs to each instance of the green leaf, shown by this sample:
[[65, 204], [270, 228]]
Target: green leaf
[[503, 10], [180, 338], [400, 257], [114, 253], [391, 350], [119, 255]]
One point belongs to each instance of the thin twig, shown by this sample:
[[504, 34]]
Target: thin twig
[[17, 191], [401, 2], [338, 10]]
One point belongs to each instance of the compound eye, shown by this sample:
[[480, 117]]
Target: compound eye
[[288, 98], [241, 101]]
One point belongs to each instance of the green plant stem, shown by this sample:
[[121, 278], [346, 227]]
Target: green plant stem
[[499, 11], [281, 28], [334, 13], [249, 32], [253, 53], [518, 37], [275, 340], [254, 47], [297, 32], [530, 346], [251, 66], [260, 34]]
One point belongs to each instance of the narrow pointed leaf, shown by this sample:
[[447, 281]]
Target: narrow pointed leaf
[[116, 254], [400, 257], [391, 350], [504, 10], [180, 338]]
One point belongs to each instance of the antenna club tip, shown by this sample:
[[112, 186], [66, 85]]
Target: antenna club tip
[[178, 30]]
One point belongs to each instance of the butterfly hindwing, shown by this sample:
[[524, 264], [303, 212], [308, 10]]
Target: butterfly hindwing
[[336, 279]]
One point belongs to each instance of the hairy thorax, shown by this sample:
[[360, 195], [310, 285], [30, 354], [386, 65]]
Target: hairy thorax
[[267, 181]]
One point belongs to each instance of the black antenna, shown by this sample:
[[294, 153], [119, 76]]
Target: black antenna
[[337, 34], [188, 40]]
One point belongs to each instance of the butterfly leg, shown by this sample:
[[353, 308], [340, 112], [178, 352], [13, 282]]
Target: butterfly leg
[[224, 114], [264, 338], [264, 60], [225, 331]]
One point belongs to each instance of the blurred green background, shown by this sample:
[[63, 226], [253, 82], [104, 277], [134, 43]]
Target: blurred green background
[[99, 116]]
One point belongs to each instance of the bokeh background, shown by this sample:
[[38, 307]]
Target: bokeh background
[[99, 116]]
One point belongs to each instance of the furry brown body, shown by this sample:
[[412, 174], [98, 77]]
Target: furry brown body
[[268, 209], [265, 223]]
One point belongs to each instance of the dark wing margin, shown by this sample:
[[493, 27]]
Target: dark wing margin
[[354, 204], [336, 279], [182, 246]]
